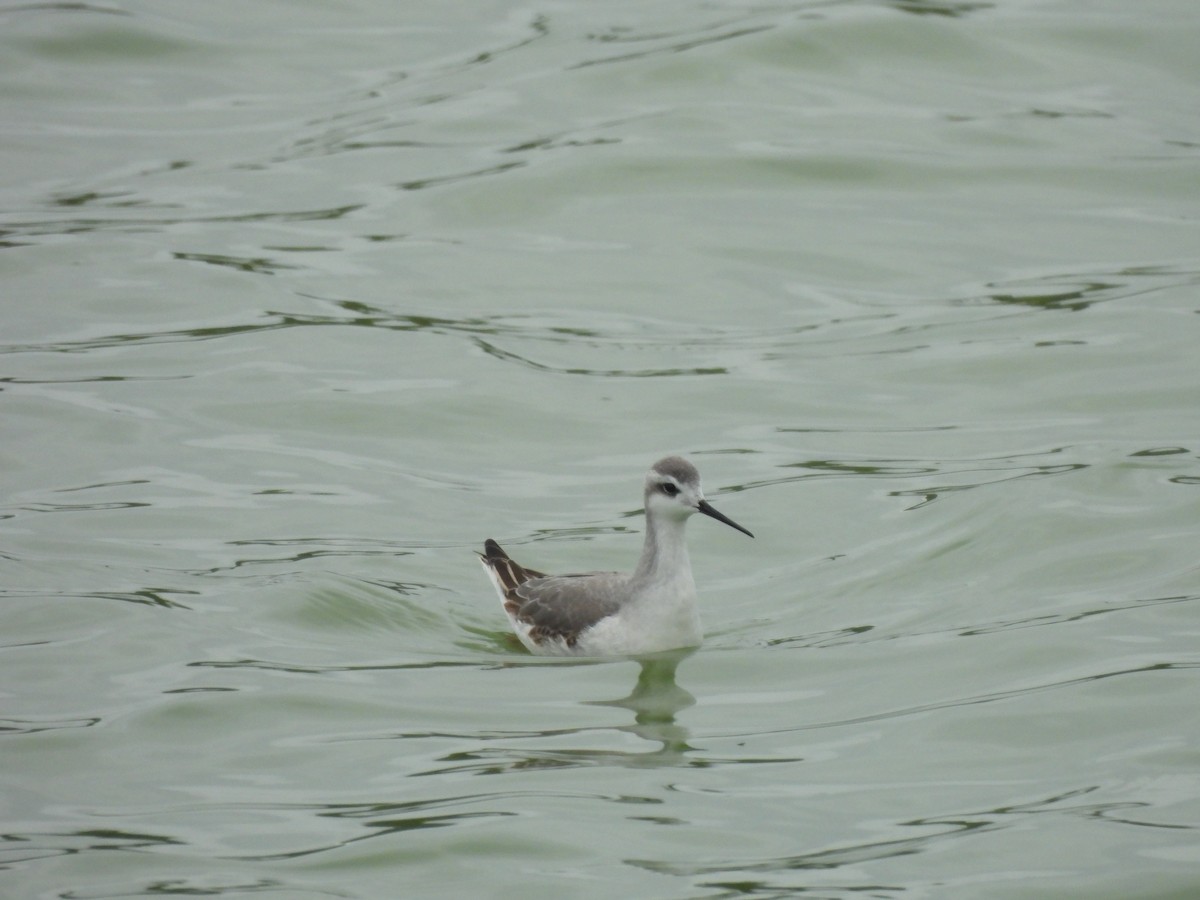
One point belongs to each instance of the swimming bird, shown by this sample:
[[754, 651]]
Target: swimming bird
[[611, 613]]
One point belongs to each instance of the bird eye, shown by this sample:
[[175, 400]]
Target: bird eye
[[669, 489]]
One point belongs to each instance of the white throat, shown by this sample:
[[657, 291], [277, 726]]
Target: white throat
[[664, 552]]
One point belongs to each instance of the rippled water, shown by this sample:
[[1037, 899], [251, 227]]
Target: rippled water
[[303, 301]]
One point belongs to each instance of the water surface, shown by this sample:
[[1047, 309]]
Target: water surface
[[303, 302]]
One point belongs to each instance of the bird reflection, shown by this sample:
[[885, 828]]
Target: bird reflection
[[655, 699]]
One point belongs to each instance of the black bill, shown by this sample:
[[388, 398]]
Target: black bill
[[705, 508]]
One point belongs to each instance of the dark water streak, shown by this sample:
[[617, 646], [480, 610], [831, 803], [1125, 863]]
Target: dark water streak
[[993, 697], [938, 830]]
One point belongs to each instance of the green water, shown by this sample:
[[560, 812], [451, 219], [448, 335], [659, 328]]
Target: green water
[[302, 301]]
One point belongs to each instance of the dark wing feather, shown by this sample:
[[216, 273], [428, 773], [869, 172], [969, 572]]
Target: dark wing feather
[[511, 573], [563, 606], [553, 606]]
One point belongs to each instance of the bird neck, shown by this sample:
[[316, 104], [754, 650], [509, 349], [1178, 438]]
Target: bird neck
[[664, 552]]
